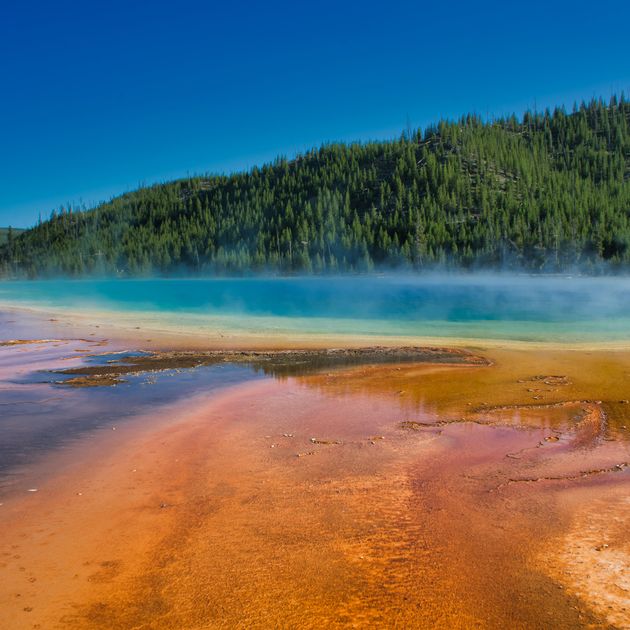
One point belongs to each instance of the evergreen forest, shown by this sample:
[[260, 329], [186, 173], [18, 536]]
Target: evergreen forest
[[549, 191]]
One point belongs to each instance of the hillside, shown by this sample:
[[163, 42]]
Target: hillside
[[547, 192], [4, 234]]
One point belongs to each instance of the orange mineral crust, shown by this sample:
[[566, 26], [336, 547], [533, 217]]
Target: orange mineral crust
[[424, 496]]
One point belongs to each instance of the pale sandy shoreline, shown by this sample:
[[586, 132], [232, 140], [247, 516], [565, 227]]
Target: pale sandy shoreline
[[144, 330]]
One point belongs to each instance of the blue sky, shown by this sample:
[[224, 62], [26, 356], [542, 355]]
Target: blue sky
[[98, 97]]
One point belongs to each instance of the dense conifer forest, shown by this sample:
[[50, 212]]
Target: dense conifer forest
[[547, 192], [7, 234]]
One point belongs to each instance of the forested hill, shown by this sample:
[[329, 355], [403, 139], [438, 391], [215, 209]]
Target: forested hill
[[8, 233], [547, 192]]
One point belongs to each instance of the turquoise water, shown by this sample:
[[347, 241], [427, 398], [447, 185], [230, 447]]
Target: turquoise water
[[500, 306]]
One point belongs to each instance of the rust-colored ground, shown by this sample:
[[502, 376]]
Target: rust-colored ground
[[390, 496]]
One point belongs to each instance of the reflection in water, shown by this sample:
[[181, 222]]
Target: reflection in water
[[391, 495], [36, 415], [39, 415], [565, 390], [104, 370]]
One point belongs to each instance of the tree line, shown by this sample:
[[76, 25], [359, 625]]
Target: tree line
[[547, 191]]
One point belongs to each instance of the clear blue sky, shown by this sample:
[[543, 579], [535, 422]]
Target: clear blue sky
[[97, 97]]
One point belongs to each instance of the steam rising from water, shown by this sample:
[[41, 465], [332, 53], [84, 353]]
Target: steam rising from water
[[515, 306]]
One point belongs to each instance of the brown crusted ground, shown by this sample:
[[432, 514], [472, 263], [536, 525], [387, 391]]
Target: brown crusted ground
[[276, 362], [21, 342]]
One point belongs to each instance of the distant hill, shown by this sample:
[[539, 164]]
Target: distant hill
[[548, 191], [4, 234]]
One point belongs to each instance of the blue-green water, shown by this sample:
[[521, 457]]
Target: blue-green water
[[502, 307]]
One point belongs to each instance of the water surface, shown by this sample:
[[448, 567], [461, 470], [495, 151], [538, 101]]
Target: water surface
[[500, 307]]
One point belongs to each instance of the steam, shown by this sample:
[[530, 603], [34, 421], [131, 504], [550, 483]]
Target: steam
[[475, 304]]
